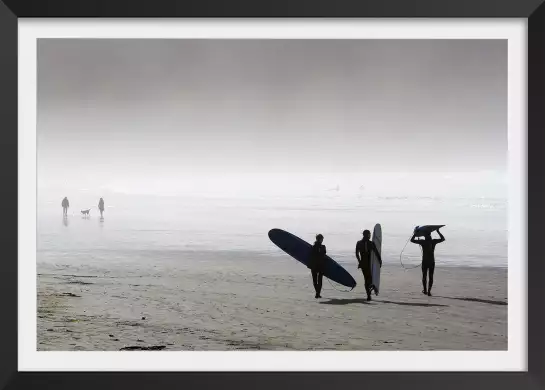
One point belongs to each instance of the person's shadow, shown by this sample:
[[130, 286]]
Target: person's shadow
[[65, 220], [346, 301], [365, 302], [478, 300]]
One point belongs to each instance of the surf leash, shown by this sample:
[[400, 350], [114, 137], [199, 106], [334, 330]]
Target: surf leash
[[401, 255], [332, 285]]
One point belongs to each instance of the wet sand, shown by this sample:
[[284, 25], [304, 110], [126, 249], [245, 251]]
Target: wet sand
[[228, 301]]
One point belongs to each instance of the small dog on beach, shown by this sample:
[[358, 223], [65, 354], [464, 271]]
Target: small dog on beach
[[85, 212]]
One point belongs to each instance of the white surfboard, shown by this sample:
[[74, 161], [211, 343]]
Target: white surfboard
[[375, 264]]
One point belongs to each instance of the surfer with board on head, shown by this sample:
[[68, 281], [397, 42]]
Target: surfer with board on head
[[428, 257], [364, 248], [317, 264]]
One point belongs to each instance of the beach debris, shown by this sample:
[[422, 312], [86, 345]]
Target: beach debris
[[139, 348], [128, 323], [78, 282], [69, 295], [77, 276]]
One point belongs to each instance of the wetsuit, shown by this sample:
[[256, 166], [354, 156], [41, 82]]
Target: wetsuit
[[316, 265], [363, 254], [428, 259]]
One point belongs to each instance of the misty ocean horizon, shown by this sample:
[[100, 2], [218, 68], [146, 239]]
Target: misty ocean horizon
[[154, 229], [234, 137]]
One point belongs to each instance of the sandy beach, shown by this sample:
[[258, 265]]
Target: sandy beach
[[244, 300]]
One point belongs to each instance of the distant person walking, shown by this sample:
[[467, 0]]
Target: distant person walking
[[364, 248], [317, 264], [428, 258], [101, 206], [65, 204]]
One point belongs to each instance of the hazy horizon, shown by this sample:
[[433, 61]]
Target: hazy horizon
[[180, 116]]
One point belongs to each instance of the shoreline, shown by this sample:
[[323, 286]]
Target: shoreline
[[346, 259]]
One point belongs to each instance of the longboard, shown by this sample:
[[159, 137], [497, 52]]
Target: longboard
[[300, 251], [420, 231], [375, 264]]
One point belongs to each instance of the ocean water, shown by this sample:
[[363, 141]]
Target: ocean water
[[146, 228]]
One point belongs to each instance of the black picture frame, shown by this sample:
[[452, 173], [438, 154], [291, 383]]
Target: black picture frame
[[11, 10]]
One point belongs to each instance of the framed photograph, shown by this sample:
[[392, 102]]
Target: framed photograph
[[302, 194]]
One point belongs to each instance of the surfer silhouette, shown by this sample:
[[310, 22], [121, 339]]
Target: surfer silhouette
[[65, 204], [317, 264], [101, 206], [364, 248], [428, 258]]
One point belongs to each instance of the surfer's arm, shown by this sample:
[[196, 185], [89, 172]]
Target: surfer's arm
[[358, 256], [414, 240], [441, 239]]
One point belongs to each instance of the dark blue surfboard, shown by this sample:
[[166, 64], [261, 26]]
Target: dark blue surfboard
[[300, 251]]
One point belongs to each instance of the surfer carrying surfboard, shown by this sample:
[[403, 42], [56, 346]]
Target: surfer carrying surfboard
[[428, 257], [317, 264], [364, 248]]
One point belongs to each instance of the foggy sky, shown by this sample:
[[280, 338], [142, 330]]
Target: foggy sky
[[111, 110]]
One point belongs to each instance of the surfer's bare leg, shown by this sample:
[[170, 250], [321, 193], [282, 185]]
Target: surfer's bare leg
[[320, 279]]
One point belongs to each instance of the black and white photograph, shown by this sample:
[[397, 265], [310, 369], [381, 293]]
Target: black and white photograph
[[272, 194]]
